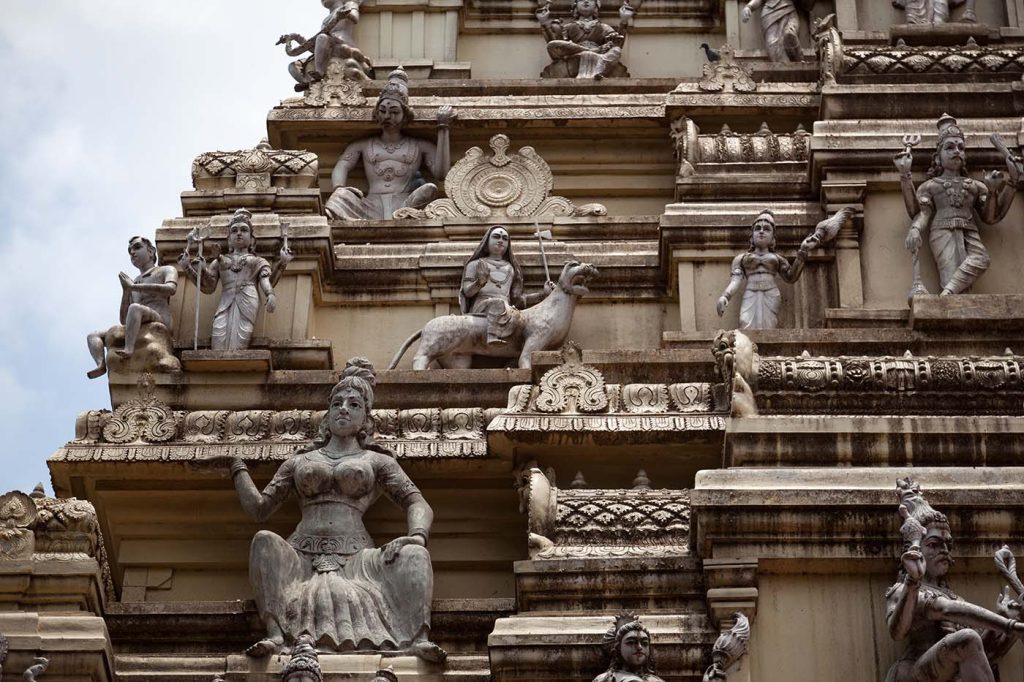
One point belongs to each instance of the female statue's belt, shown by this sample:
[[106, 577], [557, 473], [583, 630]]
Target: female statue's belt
[[953, 223], [331, 544]]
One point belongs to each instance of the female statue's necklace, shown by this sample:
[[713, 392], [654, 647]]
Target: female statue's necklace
[[337, 456], [236, 263], [498, 276]]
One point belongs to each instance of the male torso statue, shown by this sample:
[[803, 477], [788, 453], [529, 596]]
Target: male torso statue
[[143, 299]]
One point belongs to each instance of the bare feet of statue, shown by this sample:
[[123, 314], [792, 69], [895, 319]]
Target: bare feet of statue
[[428, 651], [263, 648], [123, 353], [96, 372]]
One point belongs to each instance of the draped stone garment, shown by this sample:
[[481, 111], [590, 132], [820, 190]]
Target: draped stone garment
[[779, 17], [235, 319], [336, 587]]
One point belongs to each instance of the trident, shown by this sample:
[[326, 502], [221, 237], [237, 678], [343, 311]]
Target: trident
[[541, 235], [197, 235]]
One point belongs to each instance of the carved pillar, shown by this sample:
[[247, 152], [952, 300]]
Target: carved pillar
[[836, 193]]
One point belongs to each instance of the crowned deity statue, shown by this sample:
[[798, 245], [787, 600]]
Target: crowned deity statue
[[948, 639], [392, 160], [584, 47], [627, 644], [948, 205], [327, 581], [761, 265], [492, 285], [935, 11], [145, 300], [242, 276], [333, 41], [780, 24]]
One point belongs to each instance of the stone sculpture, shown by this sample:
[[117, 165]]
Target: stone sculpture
[[947, 205], [760, 265], [584, 47], [304, 664], [627, 643], [780, 23], [327, 580], [500, 184], [334, 41], [729, 648], [497, 319], [385, 675], [392, 160], [241, 274], [947, 637], [38, 667], [146, 322], [935, 11]]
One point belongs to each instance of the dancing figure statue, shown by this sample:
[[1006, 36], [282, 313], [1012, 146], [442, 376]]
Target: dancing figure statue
[[334, 41], [391, 160], [948, 639], [760, 266], [145, 300], [780, 24], [948, 205], [240, 272], [327, 580], [584, 47]]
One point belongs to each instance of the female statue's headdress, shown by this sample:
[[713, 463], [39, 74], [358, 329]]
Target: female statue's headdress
[[359, 376], [397, 89], [516, 290], [244, 216], [304, 659], [771, 216]]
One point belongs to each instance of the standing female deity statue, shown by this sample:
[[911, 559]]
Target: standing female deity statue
[[780, 22], [239, 272], [327, 580], [391, 160], [760, 265], [948, 639], [935, 11], [492, 285], [948, 204], [584, 47]]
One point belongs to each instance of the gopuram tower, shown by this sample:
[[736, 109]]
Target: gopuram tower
[[563, 341]]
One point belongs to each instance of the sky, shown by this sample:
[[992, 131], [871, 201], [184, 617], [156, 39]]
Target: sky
[[104, 105]]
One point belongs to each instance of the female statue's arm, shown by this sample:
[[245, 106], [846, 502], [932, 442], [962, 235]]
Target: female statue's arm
[[211, 272], [922, 221], [474, 277], [419, 516], [263, 281], [260, 505], [790, 272], [735, 283]]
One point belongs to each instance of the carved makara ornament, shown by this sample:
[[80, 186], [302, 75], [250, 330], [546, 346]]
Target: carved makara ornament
[[729, 648], [17, 517], [500, 184]]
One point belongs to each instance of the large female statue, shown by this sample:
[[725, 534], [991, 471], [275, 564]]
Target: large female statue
[[240, 272], [391, 160], [327, 580], [947, 638], [492, 285]]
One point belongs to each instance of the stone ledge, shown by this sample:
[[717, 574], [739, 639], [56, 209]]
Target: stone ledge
[[990, 312], [227, 361]]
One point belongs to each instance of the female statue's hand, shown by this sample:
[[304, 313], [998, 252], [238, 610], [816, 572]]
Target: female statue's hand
[[722, 304], [483, 272], [913, 241], [745, 13], [392, 549], [903, 161], [285, 256], [271, 302], [446, 114]]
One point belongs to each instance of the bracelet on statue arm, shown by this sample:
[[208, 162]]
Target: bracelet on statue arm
[[237, 466], [422, 532]]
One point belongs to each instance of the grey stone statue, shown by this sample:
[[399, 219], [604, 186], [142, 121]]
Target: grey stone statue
[[947, 638], [760, 266], [327, 580], [584, 47], [391, 160], [729, 648], [145, 300], [242, 275], [780, 23], [498, 319], [304, 664], [935, 11], [948, 204], [333, 41], [627, 644]]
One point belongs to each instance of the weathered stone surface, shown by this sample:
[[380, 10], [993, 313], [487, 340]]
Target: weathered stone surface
[[994, 313]]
